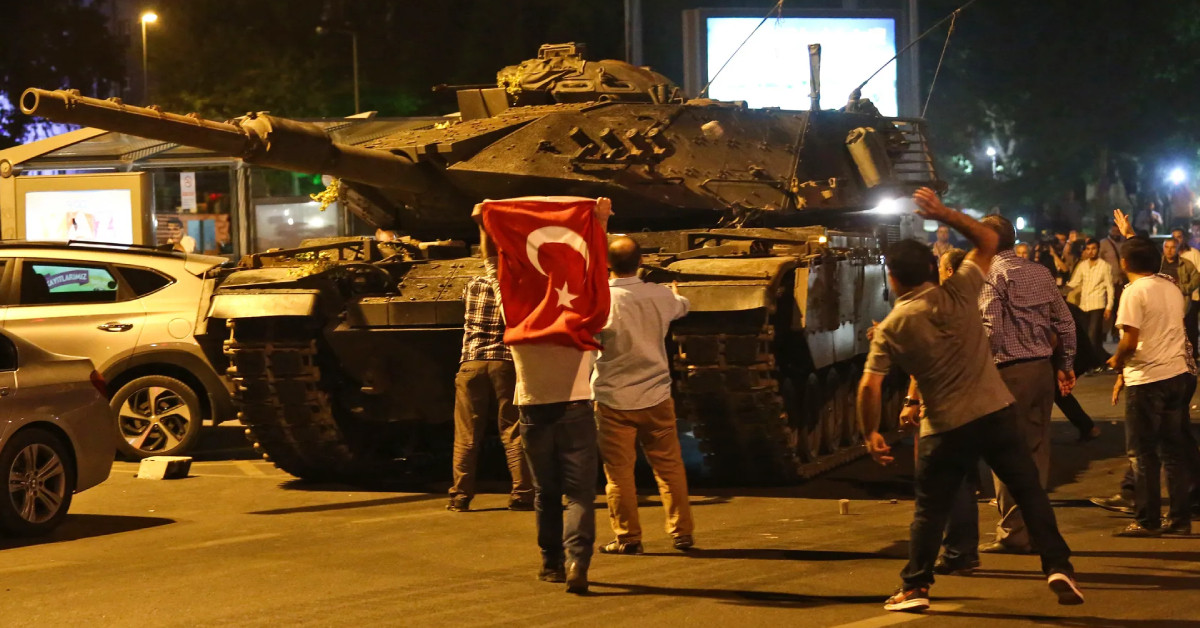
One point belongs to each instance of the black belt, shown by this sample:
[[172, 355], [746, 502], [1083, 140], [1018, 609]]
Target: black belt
[[1004, 365]]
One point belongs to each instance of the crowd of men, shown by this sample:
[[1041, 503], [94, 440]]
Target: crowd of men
[[990, 348]]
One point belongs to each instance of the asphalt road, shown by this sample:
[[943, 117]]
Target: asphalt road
[[241, 544]]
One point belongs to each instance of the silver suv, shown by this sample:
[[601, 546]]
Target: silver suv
[[133, 311]]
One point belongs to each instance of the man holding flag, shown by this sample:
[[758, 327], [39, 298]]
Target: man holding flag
[[548, 255]]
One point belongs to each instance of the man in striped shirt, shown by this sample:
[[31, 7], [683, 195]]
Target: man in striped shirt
[[1093, 278], [1028, 324]]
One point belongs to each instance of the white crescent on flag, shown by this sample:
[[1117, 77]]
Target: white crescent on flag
[[560, 235]]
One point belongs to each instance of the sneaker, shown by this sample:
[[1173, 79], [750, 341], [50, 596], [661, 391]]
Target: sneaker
[[912, 600], [1116, 503], [617, 547], [459, 503], [683, 542], [960, 567], [1136, 531], [555, 573], [1065, 588], [519, 504]]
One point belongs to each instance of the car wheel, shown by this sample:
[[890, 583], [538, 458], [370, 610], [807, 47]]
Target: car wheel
[[41, 481], [156, 416]]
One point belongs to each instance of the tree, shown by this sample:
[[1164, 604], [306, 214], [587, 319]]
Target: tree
[[1073, 99], [53, 44]]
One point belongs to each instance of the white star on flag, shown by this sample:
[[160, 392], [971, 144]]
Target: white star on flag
[[565, 298]]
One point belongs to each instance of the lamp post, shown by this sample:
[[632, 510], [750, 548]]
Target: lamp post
[[149, 17], [991, 152], [321, 30]]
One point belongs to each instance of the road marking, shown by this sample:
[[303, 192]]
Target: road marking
[[227, 541], [248, 467], [892, 619]]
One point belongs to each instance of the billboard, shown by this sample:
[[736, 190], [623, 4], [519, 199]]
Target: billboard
[[772, 67], [94, 215], [111, 208]]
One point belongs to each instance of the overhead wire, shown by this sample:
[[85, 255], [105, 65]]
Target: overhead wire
[[936, 72], [777, 9], [953, 17]]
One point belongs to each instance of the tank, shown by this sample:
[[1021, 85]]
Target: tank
[[343, 352]]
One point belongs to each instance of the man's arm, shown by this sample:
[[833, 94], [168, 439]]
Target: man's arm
[[1110, 291], [986, 241], [1064, 326], [1193, 278], [1126, 348], [870, 395], [486, 247], [1076, 279]]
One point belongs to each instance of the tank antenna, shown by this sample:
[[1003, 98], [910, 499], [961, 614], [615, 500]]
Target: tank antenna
[[953, 16], [778, 10]]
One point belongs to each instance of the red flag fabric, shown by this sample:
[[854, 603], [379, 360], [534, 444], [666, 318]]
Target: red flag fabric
[[553, 272]]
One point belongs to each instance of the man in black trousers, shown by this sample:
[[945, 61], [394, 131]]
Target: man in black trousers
[[936, 335]]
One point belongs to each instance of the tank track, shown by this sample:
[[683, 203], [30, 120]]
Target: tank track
[[288, 413], [754, 425]]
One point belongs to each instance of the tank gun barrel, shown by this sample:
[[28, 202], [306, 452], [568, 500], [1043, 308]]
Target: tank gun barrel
[[258, 139]]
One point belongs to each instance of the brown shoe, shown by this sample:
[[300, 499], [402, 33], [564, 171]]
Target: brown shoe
[[998, 547], [1136, 531], [577, 580]]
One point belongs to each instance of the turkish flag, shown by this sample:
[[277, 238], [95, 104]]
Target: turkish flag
[[552, 269]]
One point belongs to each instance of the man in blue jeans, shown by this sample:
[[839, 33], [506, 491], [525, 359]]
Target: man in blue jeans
[[1153, 358], [936, 335], [558, 432]]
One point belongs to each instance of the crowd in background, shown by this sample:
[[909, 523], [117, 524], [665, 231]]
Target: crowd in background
[[1078, 260]]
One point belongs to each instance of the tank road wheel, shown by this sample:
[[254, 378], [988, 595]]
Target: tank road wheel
[[833, 412], [291, 413], [812, 436], [728, 388], [851, 431]]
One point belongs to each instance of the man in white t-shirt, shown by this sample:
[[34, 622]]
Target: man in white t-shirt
[[558, 433], [1152, 357]]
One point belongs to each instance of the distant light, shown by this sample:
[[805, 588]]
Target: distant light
[[317, 223], [149, 17], [1177, 176], [991, 151], [1020, 223], [291, 222], [886, 206]]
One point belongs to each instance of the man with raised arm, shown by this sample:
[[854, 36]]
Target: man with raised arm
[[936, 335]]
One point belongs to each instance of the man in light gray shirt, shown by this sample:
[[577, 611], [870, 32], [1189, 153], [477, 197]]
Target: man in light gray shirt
[[632, 388]]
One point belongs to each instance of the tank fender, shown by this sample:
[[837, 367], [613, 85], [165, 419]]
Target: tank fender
[[732, 284], [260, 303], [837, 301]]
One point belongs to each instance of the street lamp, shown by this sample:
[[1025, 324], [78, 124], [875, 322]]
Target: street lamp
[[991, 152], [149, 17], [321, 30]]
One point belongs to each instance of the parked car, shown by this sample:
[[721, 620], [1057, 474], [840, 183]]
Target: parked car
[[55, 434], [133, 311]]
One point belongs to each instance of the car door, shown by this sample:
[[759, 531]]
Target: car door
[[75, 308]]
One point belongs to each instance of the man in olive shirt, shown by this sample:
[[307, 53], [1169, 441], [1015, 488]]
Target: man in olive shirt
[[935, 334]]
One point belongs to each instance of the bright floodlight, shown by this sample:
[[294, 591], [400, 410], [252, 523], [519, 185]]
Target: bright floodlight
[[1177, 176], [991, 151], [149, 17], [1020, 223], [887, 206]]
